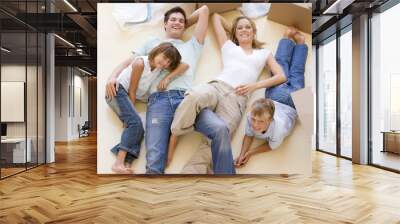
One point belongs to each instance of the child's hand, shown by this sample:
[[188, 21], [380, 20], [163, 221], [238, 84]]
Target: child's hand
[[163, 84], [243, 159], [111, 87], [246, 158], [238, 161]]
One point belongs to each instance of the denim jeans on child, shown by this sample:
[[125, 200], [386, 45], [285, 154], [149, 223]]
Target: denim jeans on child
[[160, 114], [133, 132], [292, 57], [218, 124], [217, 131]]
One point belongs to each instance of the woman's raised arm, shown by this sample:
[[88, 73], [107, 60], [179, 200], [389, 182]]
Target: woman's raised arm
[[221, 27]]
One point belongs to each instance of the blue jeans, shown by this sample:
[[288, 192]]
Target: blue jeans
[[133, 132], [159, 116], [211, 125], [292, 57]]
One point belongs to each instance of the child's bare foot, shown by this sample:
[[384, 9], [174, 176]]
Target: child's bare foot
[[299, 38], [121, 169]]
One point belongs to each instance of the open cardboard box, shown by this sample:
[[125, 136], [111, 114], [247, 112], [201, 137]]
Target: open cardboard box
[[291, 14], [220, 7]]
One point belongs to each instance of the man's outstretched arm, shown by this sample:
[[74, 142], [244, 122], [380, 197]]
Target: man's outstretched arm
[[200, 17]]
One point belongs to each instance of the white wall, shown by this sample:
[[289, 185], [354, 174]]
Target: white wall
[[67, 114], [61, 103], [12, 73], [33, 127], [81, 83]]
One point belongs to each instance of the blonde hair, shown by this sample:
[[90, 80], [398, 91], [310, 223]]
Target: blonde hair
[[262, 107], [255, 43]]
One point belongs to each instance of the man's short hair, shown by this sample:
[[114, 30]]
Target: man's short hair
[[176, 9]]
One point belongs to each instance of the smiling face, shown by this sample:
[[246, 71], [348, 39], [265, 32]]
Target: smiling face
[[165, 56], [244, 32], [175, 25], [260, 123], [161, 61], [261, 115]]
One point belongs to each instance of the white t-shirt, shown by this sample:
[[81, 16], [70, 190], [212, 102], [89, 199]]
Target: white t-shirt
[[284, 120], [240, 68], [190, 51], [146, 79]]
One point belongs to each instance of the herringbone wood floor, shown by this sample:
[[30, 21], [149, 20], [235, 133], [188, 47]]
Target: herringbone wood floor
[[70, 191]]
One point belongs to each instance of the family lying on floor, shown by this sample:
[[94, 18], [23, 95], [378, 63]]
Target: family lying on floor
[[162, 73]]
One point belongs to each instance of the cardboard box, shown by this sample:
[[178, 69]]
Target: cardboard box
[[220, 7], [392, 142], [290, 14]]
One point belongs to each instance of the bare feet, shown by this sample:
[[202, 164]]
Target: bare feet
[[290, 32], [121, 169], [299, 38], [118, 166]]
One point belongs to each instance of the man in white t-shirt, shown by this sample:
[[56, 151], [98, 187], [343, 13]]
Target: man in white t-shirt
[[162, 104]]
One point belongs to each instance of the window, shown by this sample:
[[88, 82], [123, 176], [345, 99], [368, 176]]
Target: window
[[327, 97], [385, 89], [346, 93]]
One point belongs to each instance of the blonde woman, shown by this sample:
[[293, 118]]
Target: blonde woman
[[220, 103]]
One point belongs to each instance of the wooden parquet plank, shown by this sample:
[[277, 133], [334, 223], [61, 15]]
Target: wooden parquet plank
[[70, 191]]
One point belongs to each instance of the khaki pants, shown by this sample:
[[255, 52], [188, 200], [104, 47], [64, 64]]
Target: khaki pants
[[220, 98]]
